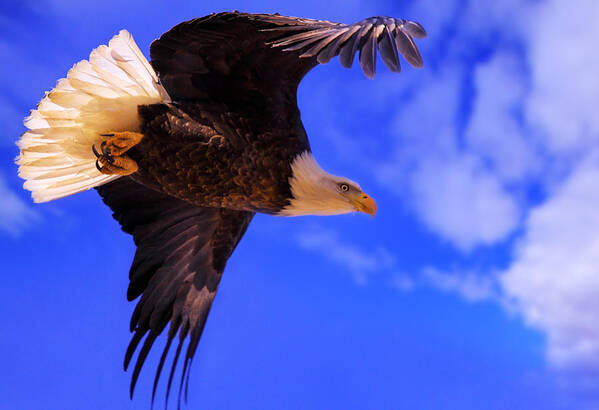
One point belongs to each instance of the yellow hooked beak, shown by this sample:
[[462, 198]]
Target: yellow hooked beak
[[364, 203]]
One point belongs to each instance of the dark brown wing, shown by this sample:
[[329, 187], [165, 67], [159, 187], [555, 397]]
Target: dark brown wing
[[181, 253], [220, 55]]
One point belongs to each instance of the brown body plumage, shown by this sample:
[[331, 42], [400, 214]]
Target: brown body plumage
[[216, 159]]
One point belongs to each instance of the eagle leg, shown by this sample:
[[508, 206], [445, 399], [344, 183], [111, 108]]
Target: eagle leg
[[110, 158], [119, 142], [122, 165]]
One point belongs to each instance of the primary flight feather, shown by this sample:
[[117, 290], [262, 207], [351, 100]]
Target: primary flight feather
[[186, 149]]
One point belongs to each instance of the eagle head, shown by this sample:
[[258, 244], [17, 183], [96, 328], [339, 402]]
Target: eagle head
[[316, 192]]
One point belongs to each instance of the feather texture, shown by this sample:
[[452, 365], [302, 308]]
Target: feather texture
[[181, 254], [98, 96], [389, 35]]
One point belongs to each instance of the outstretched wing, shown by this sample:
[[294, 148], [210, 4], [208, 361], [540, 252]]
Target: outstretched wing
[[220, 55], [181, 253], [325, 40]]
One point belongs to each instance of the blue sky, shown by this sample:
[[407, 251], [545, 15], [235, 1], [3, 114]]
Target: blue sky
[[474, 287]]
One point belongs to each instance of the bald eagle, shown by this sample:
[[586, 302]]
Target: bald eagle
[[187, 149]]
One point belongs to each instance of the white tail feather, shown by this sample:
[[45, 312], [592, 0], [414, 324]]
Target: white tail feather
[[98, 96]]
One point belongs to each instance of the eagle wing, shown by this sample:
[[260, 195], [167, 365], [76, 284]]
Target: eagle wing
[[218, 55], [237, 62], [181, 253]]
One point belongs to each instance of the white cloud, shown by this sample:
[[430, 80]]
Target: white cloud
[[564, 62], [359, 262], [463, 203], [531, 117], [554, 280], [533, 97], [494, 130], [15, 215], [448, 187]]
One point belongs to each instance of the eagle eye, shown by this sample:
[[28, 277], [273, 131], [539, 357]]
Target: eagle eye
[[344, 187]]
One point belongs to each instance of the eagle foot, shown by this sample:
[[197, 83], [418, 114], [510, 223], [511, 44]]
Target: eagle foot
[[122, 165], [110, 158], [119, 142]]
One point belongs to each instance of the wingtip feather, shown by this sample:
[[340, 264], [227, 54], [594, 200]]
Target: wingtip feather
[[390, 36]]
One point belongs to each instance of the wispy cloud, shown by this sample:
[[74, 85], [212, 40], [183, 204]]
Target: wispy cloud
[[471, 286], [15, 214], [360, 263]]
